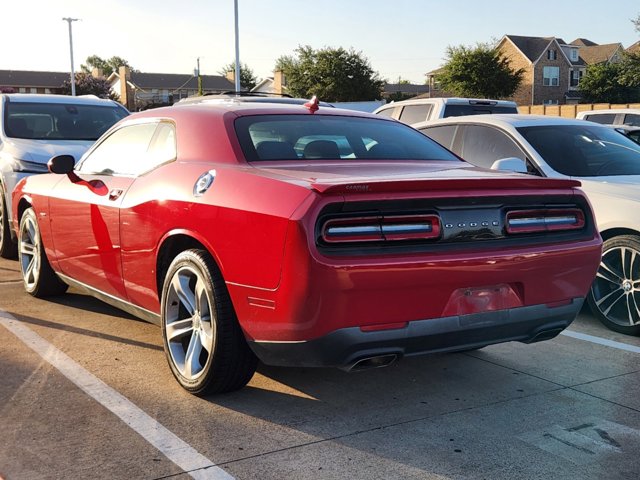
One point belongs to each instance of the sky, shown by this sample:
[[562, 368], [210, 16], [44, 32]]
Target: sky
[[400, 38]]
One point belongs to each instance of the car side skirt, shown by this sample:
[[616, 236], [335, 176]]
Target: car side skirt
[[348, 347], [134, 310]]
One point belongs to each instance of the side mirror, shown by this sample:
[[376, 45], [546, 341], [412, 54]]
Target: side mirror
[[61, 164], [511, 164]]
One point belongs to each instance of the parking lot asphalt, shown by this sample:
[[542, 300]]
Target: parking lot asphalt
[[85, 392]]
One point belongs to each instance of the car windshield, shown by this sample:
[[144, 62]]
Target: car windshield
[[584, 151], [59, 121], [323, 137]]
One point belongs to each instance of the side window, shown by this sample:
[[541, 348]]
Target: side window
[[632, 119], [604, 118], [133, 150], [484, 145], [443, 135], [162, 148], [415, 113], [387, 112]]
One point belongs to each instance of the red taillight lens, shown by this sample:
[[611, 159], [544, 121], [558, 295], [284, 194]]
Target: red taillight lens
[[383, 228], [532, 221]]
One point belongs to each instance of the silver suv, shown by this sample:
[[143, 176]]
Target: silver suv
[[34, 128]]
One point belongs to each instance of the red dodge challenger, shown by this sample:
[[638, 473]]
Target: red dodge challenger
[[306, 236]]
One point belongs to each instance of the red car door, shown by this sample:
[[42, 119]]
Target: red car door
[[84, 219], [85, 208]]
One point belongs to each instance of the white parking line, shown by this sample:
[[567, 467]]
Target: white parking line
[[171, 446], [601, 341]]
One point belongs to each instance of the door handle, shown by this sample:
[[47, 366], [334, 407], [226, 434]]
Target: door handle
[[115, 193]]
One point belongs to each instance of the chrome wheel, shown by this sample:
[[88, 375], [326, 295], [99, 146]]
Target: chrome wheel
[[190, 328], [29, 253], [615, 292], [204, 345]]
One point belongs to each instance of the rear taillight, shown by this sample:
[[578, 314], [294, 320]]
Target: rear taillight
[[381, 228], [534, 221]]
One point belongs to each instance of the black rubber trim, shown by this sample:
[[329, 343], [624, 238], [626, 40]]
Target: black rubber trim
[[343, 348]]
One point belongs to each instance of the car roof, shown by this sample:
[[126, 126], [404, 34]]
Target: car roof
[[246, 97], [448, 101], [45, 98], [218, 109], [604, 111], [504, 119]]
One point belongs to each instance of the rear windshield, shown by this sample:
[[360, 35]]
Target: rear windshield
[[584, 151], [323, 137], [460, 110], [59, 121]]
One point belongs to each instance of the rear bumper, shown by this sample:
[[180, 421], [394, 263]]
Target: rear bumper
[[345, 347]]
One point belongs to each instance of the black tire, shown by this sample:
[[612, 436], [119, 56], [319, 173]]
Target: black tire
[[615, 293], [196, 315], [38, 277], [8, 247]]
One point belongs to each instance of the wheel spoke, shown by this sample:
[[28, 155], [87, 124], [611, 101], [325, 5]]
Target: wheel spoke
[[604, 267], [192, 358], [178, 329], [618, 291], [180, 285], [27, 249]]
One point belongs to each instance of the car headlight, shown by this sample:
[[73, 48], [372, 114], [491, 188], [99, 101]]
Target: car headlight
[[30, 167]]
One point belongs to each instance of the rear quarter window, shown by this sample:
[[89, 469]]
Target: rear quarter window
[[604, 118]]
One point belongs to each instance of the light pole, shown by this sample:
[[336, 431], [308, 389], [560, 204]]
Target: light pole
[[237, 73], [199, 78], [73, 76]]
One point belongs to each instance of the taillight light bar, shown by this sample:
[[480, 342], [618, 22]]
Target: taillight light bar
[[381, 228], [533, 221]]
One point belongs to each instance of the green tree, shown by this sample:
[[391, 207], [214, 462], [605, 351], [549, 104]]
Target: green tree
[[86, 84], [612, 82], [479, 71], [636, 23], [107, 66], [247, 79], [332, 74]]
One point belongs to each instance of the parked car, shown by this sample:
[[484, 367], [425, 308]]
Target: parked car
[[242, 238], [606, 163], [423, 109], [33, 128], [614, 116]]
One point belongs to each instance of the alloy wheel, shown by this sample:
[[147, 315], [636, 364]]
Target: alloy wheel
[[30, 253], [189, 323], [616, 289]]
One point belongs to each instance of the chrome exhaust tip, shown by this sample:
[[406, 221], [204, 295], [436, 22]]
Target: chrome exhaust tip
[[377, 361]]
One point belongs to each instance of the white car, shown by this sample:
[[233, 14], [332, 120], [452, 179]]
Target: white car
[[614, 116], [424, 109], [604, 160], [34, 128]]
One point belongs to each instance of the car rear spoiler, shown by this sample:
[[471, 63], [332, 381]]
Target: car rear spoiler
[[429, 185]]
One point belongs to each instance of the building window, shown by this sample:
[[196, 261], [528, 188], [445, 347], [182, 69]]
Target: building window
[[552, 54], [23, 90], [550, 102], [576, 76], [551, 76], [574, 54]]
